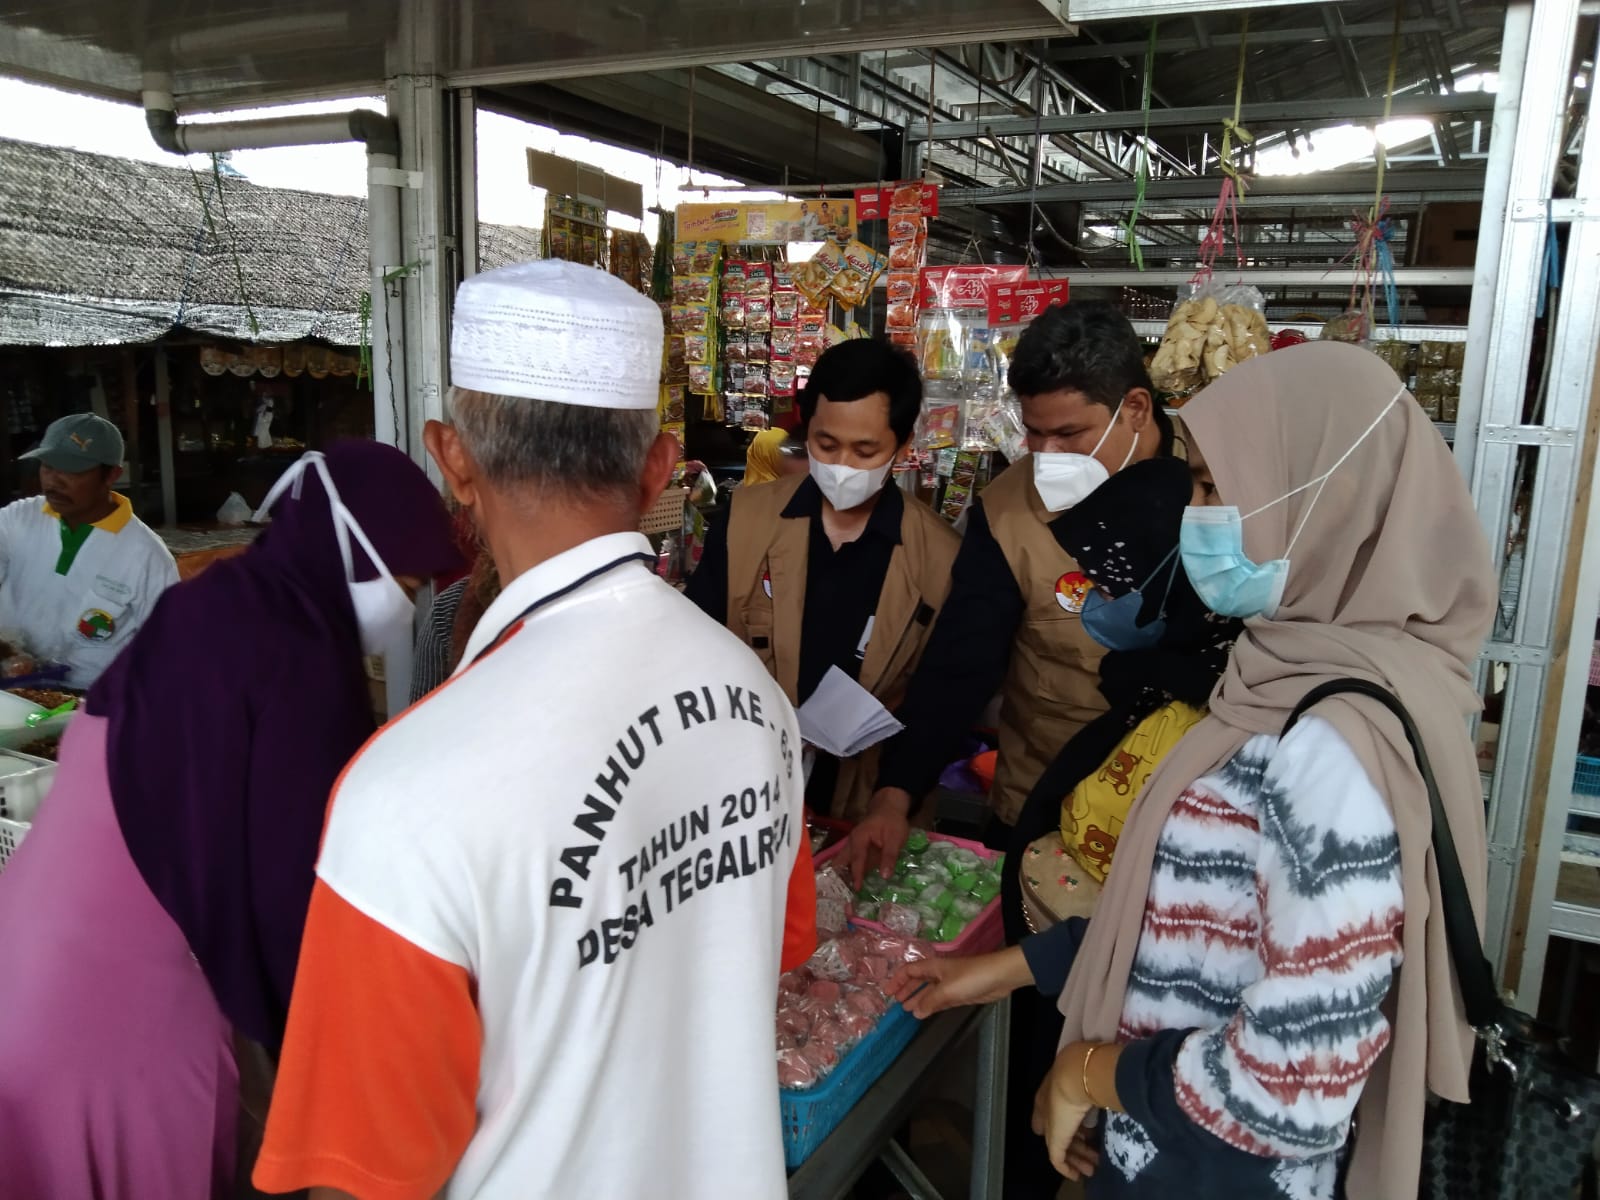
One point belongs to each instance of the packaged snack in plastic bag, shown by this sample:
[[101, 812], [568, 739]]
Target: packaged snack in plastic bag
[[830, 885], [900, 918], [693, 289], [1351, 327], [690, 318], [862, 266], [813, 277], [1209, 332], [785, 308]]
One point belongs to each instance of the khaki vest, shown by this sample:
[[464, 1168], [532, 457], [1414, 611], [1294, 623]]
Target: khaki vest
[[765, 548], [1052, 687]]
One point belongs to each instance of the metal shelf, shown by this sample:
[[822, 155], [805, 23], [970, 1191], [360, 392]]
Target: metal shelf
[[1305, 277], [1380, 333]]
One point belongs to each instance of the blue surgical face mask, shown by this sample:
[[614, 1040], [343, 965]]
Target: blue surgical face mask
[[1115, 623], [1211, 541]]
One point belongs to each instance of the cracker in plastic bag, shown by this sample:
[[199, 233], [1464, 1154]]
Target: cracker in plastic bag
[[1210, 332], [862, 266]]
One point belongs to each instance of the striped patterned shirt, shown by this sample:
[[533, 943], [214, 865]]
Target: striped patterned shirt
[[1271, 936]]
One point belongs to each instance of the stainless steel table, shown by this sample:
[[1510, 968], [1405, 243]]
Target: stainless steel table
[[867, 1134]]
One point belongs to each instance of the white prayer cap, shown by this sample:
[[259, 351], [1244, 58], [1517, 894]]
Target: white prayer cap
[[557, 331]]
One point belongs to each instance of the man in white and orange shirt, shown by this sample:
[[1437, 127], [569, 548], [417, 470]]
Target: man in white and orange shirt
[[554, 897]]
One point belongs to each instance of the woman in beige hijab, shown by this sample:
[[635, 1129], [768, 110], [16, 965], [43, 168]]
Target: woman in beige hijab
[[1267, 966]]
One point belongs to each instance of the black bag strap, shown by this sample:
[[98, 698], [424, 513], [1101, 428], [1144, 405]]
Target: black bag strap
[[1479, 994]]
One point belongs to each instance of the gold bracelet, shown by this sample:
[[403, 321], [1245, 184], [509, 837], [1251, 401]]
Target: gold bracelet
[[1087, 1059]]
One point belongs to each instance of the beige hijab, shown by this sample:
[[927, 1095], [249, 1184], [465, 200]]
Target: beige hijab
[[1390, 581]]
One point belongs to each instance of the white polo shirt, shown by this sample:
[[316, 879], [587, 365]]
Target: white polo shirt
[[543, 950], [79, 607]]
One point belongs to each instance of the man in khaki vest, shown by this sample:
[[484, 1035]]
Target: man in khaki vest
[[836, 568], [1011, 622]]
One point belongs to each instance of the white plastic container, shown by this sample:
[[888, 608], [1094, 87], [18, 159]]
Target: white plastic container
[[24, 780]]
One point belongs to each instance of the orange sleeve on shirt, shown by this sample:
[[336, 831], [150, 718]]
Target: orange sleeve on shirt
[[800, 910], [377, 1088]]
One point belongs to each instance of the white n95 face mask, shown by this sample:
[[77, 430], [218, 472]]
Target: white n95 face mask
[[385, 615], [1064, 480], [849, 487]]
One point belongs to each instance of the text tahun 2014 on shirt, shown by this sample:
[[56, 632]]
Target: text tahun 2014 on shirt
[[698, 852]]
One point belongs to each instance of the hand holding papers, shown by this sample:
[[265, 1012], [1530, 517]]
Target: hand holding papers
[[843, 718]]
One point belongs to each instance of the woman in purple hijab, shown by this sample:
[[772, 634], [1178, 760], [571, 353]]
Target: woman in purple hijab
[[156, 907]]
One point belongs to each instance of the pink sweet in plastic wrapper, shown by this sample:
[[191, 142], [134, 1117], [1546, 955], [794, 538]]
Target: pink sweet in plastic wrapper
[[857, 1025], [825, 991], [822, 1056], [794, 983], [830, 1033], [786, 1041], [829, 962], [794, 1022], [795, 1070], [867, 1002], [874, 969]]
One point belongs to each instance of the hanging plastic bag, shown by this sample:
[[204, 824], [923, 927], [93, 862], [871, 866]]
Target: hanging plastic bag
[[1211, 330], [234, 510]]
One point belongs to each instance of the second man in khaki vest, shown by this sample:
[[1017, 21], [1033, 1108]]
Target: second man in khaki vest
[[1011, 623], [836, 568]]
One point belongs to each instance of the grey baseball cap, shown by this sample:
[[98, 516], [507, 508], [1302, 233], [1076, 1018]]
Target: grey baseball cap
[[79, 443]]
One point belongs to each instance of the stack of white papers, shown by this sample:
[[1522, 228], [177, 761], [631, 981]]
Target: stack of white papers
[[843, 718]]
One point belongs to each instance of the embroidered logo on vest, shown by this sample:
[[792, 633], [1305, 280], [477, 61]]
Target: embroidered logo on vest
[[1072, 589]]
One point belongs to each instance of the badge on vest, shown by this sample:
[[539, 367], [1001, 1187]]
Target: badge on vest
[[96, 625], [1072, 589], [766, 584]]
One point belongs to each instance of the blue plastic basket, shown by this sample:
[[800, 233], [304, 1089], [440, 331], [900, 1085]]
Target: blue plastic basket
[[809, 1116], [1586, 778]]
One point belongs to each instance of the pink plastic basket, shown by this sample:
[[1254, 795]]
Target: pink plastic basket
[[983, 933]]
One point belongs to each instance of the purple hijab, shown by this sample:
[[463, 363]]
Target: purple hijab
[[234, 710]]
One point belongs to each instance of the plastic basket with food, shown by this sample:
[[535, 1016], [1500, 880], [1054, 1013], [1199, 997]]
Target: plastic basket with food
[[31, 716], [24, 780]]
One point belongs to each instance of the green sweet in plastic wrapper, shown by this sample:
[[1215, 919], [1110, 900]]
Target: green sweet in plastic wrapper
[[943, 887], [950, 928], [965, 907]]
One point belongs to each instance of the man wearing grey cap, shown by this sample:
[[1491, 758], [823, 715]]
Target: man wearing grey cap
[[565, 988], [78, 571]]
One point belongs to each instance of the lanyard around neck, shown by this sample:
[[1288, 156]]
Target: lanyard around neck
[[567, 590]]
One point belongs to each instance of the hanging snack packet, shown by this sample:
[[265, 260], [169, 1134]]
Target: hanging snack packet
[[784, 338], [733, 312], [690, 318], [757, 349], [758, 280], [733, 278], [702, 379], [704, 258], [758, 314], [692, 289], [697, 348], [683, 257], [862, 266], [735, 349], [785, 308], [814, 276], [783, 378]]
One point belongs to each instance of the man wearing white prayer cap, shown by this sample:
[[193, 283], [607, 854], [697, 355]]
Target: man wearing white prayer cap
[[555, 896]]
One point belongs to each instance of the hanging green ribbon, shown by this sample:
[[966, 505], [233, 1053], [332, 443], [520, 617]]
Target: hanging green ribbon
[[1231, 128], [1130, 228]]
